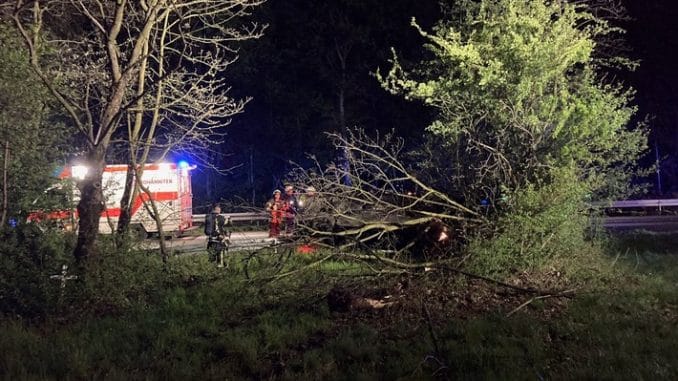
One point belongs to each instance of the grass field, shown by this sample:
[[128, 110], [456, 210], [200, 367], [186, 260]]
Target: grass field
[[199, 322]]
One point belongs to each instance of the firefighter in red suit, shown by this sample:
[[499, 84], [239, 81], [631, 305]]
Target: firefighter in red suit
[[275, 206]]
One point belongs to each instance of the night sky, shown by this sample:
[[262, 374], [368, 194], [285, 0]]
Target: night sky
[[294, 77]]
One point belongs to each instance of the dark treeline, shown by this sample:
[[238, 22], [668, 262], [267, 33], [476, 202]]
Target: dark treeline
[[312, 73], [652, 35]]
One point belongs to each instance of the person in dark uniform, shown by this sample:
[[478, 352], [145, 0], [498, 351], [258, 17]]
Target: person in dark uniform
[[291, 209], [217, 235]]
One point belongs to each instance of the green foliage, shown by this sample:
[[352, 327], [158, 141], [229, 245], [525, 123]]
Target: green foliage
[[136, 317], [226, 328], [542, 221], [526, 122], [28, 257], [114, 281], [28, 125], [492, 348], [518, 92]]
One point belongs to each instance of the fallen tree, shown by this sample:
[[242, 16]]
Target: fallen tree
[[374, 201]]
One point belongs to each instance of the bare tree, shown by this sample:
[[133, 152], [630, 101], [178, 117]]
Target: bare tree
[[186, 106], [153, 67]]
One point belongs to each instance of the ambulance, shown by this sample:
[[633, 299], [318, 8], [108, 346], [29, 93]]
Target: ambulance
[[170, 188]]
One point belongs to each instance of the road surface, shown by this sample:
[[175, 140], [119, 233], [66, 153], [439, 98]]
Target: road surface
[[239, 241]]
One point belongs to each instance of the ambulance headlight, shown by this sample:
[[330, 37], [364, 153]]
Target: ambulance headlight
[[79, 172]]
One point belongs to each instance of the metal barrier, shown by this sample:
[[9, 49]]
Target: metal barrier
[[638, 203], [625, 215], [234, 217]]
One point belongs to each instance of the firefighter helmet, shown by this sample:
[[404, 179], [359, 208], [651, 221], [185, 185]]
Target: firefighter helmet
[[276, 191]]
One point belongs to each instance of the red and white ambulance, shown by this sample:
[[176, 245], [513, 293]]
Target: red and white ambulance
[[169, 185]]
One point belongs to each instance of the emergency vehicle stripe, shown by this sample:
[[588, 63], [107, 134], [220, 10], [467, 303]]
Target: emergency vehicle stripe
[[113, 212], [66, 173]]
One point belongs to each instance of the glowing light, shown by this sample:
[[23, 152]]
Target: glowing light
[[305, 249], [164, 167], [79, 172], [182, 164]]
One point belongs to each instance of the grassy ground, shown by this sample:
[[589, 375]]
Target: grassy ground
[[198, 322]]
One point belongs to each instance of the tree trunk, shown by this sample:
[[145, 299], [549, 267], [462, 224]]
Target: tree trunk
[[164, 253], [126, 207], [5, 186], [90, 206], [209, 183], [251, 176], [343, 155], [152, 209]]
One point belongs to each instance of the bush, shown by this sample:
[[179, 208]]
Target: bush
[[28, 257], [115, 281], [118, 280], [112, 281], [541, 222]]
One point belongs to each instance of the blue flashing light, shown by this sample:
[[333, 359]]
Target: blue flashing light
[[182, 164], [57, 171]]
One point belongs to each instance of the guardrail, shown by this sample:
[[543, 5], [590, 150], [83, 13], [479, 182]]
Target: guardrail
[[659, 203], [626, 218], [234, 217]]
